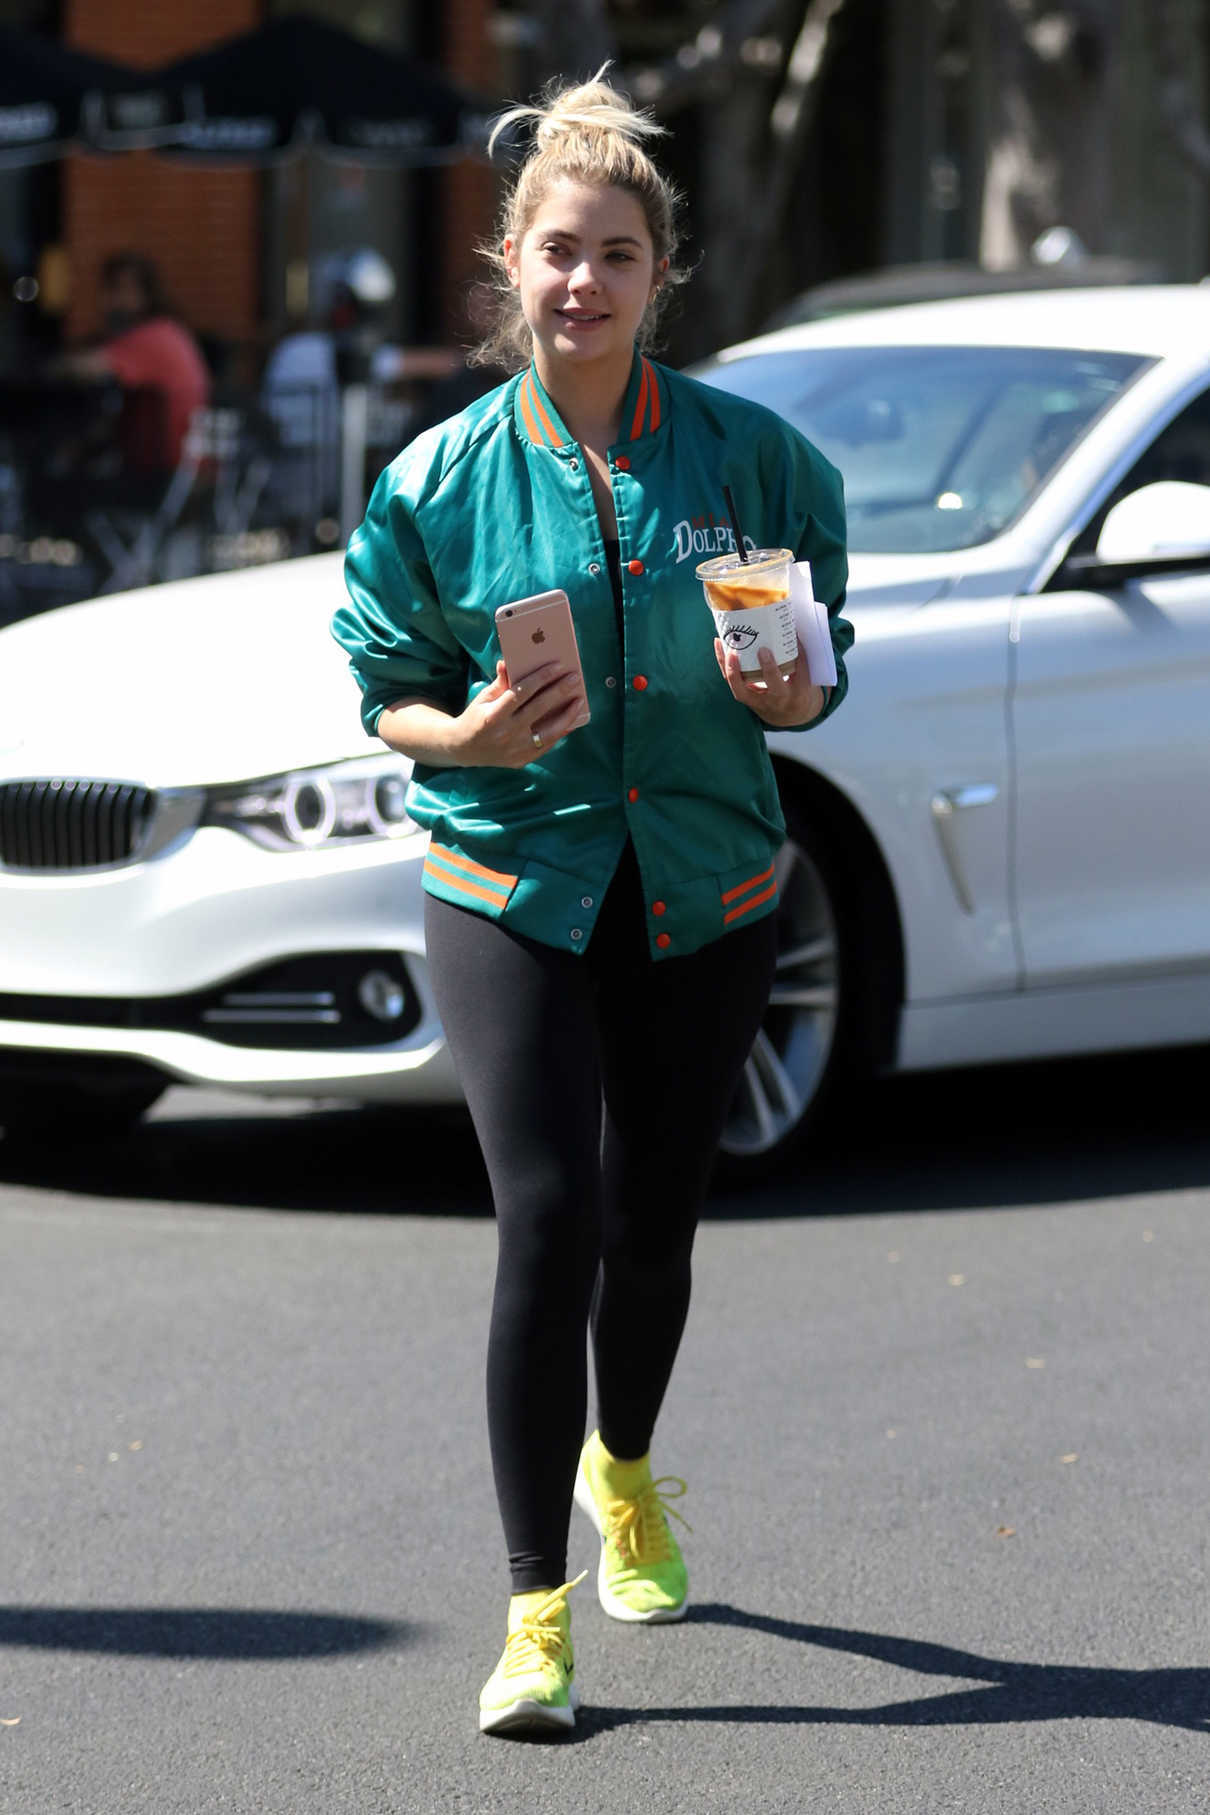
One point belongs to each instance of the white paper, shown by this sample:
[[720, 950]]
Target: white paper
[[811, 624]]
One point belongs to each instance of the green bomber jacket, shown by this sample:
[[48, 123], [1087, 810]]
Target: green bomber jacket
[[496, 504]]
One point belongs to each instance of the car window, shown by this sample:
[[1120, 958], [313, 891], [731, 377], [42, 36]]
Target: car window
[[940, 447], [1181, 451]]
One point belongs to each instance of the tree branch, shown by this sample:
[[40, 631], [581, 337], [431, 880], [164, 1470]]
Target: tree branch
[[1177, 101], [790, 123], [698, 67], [575, 37]]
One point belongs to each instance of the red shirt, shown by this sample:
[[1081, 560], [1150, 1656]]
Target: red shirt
[[159, 355]]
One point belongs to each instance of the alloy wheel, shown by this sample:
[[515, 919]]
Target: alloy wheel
[[790, 1056]]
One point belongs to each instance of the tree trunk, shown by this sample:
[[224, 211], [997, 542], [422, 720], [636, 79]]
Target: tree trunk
[[1178, 26], [574, 38], [1049, 158]]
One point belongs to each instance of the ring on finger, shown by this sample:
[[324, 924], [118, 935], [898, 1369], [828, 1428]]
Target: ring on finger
[[537, 737]]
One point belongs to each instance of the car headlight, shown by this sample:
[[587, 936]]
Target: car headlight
[[309, 808]]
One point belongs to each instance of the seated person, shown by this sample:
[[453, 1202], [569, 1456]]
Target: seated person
[[152, 356], [301, 392]]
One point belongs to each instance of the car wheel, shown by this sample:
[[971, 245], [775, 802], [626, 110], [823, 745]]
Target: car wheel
[[806, 1030], [31, 1112]]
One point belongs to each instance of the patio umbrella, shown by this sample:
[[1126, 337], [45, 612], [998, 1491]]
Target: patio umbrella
[[44, 88], [298, 82], [53, 97]]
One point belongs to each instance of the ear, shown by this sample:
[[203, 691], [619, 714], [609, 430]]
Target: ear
[[658, 275], [512, 259]]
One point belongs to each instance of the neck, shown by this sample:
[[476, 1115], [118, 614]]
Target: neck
[[587, 397]]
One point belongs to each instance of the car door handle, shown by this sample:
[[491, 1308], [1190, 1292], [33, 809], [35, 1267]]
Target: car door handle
[[944, 806]]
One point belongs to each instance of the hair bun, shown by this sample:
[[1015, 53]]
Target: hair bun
[[588, 109]]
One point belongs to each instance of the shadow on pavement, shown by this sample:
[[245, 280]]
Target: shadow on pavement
[[1007, 1691], [195, 1632], [980, 1138], [375, 1162], [993, 1136]]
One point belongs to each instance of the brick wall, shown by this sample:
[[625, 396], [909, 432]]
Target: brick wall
[[468, 190], [202, 227]]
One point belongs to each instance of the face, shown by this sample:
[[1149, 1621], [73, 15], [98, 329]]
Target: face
[[122, 299], [586, 271]]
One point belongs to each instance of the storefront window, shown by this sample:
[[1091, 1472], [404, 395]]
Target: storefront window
[[318, 211]]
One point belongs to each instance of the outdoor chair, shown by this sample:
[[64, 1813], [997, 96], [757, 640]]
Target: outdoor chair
[[156, 534]]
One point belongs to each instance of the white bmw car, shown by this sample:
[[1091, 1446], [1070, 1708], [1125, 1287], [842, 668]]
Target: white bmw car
[[999, 848]]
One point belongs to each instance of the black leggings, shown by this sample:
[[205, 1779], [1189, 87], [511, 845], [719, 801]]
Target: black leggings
[[598, 1086]]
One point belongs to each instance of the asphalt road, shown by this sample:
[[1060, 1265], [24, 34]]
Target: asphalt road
[[941, 1407]]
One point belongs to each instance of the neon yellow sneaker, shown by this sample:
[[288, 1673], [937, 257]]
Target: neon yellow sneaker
[[642, 1575], [532, 1688]]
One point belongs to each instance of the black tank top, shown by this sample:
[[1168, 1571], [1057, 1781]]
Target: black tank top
[[613, 560]]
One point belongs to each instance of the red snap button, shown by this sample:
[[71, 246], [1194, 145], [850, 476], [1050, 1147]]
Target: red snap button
[[658, 907], [632, 794], [663, 940], [634, 567], [639, 682], [623, 463]]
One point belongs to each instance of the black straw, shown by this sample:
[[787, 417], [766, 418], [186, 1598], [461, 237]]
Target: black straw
[[735, 524]]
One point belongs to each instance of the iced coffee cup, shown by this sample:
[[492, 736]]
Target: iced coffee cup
[[750, 601]]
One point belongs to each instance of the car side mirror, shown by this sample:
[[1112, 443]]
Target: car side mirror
[[1165, 522]]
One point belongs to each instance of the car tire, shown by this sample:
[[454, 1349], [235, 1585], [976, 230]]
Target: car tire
[[72, 1112], [811, 1033]]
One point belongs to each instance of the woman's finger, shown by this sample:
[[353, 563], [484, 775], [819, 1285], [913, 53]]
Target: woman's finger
[[771, 674], [498, 686], [524, 698], [552, 729], [739, 685], [550, 700], [535, 689]]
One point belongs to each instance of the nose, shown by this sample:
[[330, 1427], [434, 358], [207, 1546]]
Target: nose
[[583, 277]]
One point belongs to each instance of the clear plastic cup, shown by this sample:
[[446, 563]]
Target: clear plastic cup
[[750, 604]]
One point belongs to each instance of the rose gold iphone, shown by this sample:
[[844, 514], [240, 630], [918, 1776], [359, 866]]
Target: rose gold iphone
[[539, 630]]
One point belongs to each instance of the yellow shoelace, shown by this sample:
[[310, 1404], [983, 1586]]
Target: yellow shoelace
[[539, 1637], [640, 1526]]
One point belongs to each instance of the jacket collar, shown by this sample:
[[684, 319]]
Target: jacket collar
[[644, 407]]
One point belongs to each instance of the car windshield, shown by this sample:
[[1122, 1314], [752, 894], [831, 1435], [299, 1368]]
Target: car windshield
[[940, 447]]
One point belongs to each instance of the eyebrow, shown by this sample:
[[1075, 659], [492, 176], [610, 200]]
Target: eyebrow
[[618, 239]]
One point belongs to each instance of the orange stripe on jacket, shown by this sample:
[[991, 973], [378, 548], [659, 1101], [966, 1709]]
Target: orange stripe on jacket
[[452, 880], [746, 906], [641, 406], [655, 400], [468, 863], [531, 423], [547, 424], [741, 887]]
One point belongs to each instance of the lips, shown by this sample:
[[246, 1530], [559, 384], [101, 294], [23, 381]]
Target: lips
[[580, 317]]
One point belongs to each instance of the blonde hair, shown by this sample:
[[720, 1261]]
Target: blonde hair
[[587, 132]]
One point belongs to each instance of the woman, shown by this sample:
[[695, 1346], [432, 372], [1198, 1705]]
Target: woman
[[599, 900]]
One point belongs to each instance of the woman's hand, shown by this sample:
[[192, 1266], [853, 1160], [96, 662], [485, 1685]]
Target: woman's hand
[[506, 727], [776, 699]]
